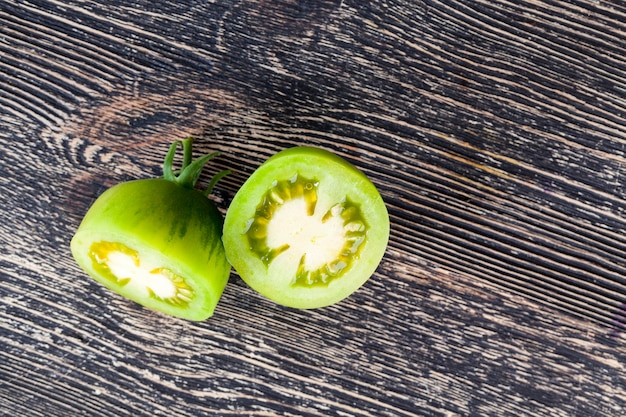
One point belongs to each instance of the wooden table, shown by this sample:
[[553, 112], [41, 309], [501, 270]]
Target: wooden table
[[495, 131]]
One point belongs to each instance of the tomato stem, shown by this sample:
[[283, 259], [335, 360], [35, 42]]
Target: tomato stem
[[187, 152], [215, 179], [190, 171]]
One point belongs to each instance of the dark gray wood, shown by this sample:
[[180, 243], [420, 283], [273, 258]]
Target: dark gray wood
[[495, 131]]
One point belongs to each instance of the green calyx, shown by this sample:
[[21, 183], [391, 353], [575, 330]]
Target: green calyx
[[190, 171]]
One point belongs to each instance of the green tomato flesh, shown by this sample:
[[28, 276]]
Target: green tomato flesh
[[307, 229], [156, 243]]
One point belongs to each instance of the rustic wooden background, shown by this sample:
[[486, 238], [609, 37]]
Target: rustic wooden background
[[495, 130]]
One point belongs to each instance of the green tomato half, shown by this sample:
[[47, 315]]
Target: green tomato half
[[156, 242], [307, 229]]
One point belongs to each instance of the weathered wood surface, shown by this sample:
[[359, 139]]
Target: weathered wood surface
[[495, 130]]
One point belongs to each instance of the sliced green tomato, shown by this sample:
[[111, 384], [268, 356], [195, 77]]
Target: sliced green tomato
[[156, 243], [307, 229]]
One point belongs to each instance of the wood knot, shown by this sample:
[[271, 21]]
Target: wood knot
[[130, 120]]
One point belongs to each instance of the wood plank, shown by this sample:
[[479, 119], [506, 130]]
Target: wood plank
[[494, 130]]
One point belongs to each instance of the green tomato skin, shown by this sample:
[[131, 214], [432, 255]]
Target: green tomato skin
[[338, 179], [175, 227]]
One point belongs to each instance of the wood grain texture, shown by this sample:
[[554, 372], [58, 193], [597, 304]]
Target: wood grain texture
[[495, 131]]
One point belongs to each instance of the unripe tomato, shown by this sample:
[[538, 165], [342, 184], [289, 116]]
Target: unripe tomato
[[306, 229], [158, 241]]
